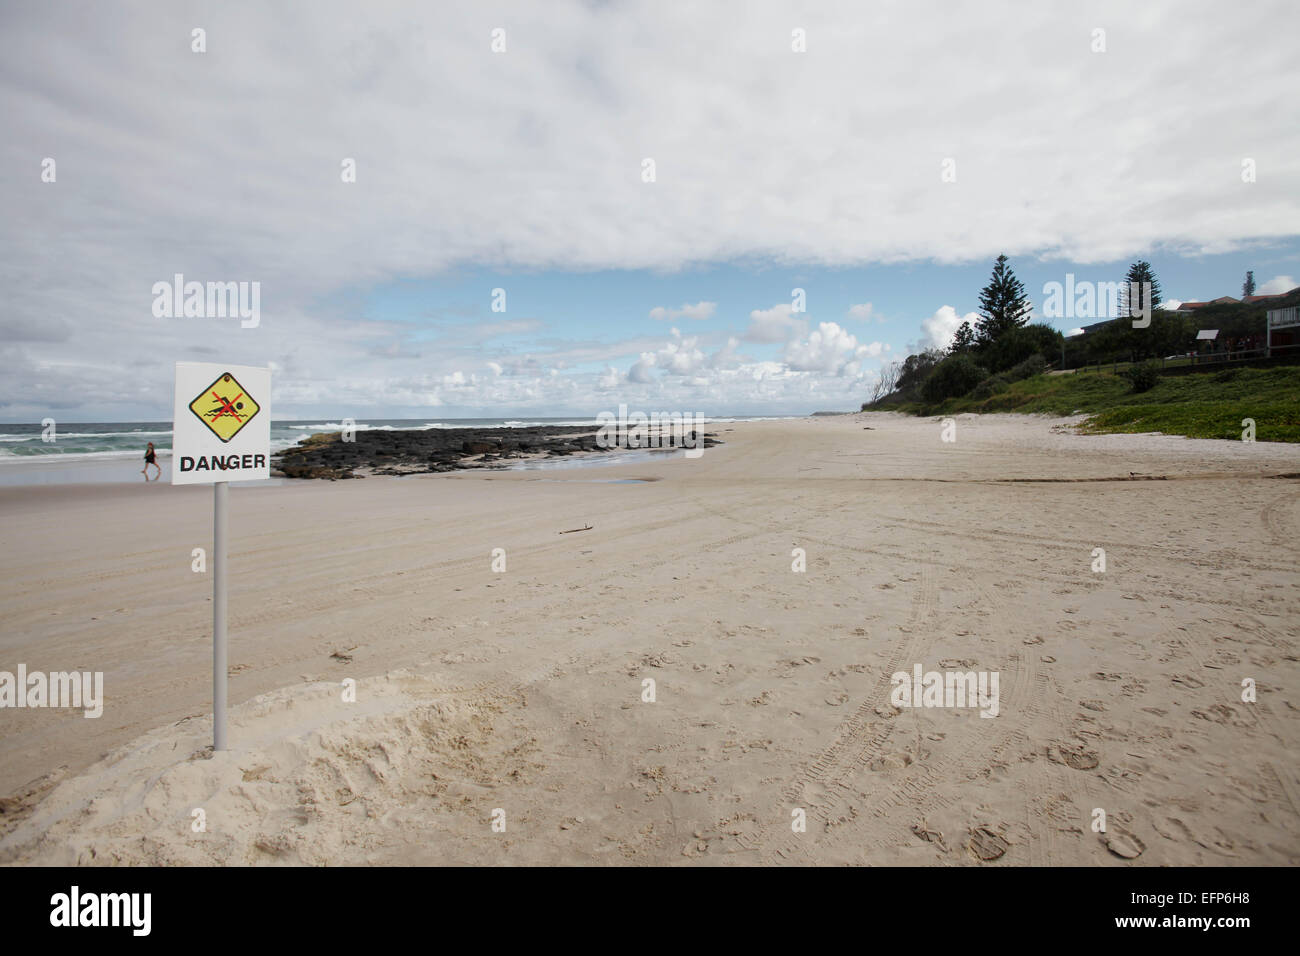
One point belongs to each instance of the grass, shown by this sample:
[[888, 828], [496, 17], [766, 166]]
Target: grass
[[1208, 404]]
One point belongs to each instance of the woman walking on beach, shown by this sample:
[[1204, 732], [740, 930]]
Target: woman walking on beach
[[150, 459]]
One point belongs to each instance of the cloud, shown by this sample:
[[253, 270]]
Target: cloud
[[1277, 285], [472, 333], [225, 166], [831, 350], [937, 331], [776, 324], [727, 355], [864, 312], [640, 372], [393, 350], [699, 311], [680, 356]]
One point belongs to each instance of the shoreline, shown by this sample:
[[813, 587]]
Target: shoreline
[[378, 452]]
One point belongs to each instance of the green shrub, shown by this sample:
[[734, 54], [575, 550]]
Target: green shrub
[[1019, 345], [1034, 365], [1143, 376], [993, 385], [954, 376]]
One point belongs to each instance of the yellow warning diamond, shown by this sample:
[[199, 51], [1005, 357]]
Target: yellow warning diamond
[[224, 407]]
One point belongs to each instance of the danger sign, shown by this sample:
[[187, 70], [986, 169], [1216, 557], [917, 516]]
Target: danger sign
[[221, 430], [225, 407]]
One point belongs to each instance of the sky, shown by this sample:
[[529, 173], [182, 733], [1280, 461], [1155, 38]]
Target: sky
[[504, 209]]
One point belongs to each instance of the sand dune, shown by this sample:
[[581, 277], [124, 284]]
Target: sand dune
[[522, 691]]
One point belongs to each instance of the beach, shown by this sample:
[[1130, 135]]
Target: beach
[[501, 716]]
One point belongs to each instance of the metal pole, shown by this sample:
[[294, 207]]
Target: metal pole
[[220, 490]]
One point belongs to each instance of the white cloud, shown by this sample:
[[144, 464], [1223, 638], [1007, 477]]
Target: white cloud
[[680, 356], [937, 331], [776, 324], [828, 349], [1277, 285], [726, 355], [864, 312], [699, 311], [640, 372]]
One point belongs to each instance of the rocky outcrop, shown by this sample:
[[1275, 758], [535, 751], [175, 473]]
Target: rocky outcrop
[[326, 455]]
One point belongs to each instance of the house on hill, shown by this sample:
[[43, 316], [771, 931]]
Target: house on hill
[[1283, 329], [1189, 307]]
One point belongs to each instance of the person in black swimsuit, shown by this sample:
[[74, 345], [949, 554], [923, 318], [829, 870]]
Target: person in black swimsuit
[[149, 459]]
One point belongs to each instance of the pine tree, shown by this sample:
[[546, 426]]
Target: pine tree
[[1248, 288], [1003, 305], [963, 340], [1138, 273]]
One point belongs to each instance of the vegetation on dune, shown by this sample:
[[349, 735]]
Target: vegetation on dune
[[999, 365], [1274, 421], [1199, 405]]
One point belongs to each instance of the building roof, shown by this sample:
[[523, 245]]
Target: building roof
[[1085, 329]]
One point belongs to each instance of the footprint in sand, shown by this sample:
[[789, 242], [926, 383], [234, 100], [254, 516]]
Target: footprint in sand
[[1124, 844], [1077, 758], [986, 845], [1171, 828], [923, 831], [894, 761]]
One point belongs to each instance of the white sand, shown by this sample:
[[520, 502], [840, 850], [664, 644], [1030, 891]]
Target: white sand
[[522, 691]]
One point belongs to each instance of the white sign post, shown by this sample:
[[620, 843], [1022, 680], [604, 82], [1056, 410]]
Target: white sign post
[[221, 432]]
